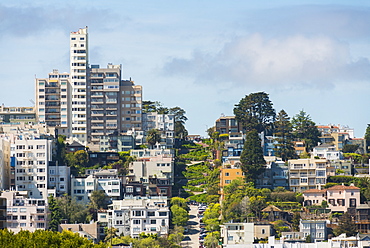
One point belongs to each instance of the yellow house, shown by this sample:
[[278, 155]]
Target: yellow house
[[229, 173]]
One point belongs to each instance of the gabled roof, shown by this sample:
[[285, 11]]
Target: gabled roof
[[314, 191], [342, 187], [272, 208], [75, 143]]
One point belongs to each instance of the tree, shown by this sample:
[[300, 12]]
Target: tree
[[72, 211], [349, 148], [280, 226], [211, 217], [82, 158], [150, 106], [110, 234], [181, 202], [367, 138], [45, 238], [55, 215], [98, 200], [180, 216], [346, 225], [252, 156], [255, 111], [295, 221], [212, 240], [256, 204], [179, 114], [284, 138], [180, 119], [153, 137], [60, 155], [177, 235], [305, 129]]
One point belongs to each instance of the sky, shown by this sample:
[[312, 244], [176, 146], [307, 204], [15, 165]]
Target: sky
[[202, 55]]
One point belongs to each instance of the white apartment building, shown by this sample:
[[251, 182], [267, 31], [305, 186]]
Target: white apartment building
[[152, 164], [307, 174], [31, 166], [59, 176], [327, 151], [106, 180], [25, 213], [79, 62], [4, 164], [165, 124], [137, 215]]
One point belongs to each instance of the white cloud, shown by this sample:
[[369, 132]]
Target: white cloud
[[293, 61]]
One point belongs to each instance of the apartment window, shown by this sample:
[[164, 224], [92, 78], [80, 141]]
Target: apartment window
[[23, 217], [137, 213], [227, 174], [119, 222], [136, 222], [40, 225], [227, 181], [162, 213], [151, 213], [153, 222], [153, 229]]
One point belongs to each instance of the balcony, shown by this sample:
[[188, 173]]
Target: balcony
[[97, 121], [97, 133]]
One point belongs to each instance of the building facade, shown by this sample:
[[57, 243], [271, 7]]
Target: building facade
[[104, 102], [307, 174], [53, 100], [31, 166], [79, 62], [25, 213], [138, 215]]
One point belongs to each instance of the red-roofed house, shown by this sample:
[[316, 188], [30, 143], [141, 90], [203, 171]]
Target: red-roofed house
[[314, 197], [339, 197]]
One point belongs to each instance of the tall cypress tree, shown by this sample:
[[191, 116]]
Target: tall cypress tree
[[305, 129], [252, 156], [55, 215], [284, 137]]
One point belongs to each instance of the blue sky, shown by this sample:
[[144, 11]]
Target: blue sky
[[203, 56]]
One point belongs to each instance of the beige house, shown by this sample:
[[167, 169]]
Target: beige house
[[339, 197], [314, 197], [89, 231], [307, 174]]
